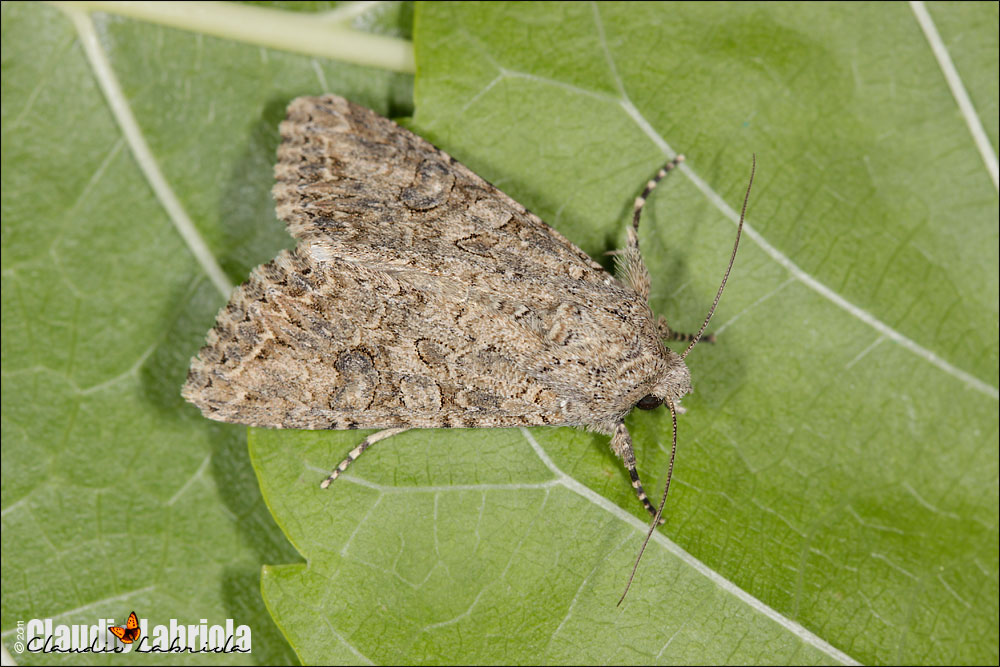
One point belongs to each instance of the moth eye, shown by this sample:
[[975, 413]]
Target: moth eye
[[649, 402]]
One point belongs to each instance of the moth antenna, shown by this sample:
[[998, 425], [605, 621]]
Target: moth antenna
[[663, 501], [732, 258]]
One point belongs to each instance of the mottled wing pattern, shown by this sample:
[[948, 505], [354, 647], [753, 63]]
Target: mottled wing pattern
[[369, 189], [419, 295], [308, 345]]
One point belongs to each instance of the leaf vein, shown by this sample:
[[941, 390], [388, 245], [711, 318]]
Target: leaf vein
[[123, 115], [972, 120], [674, 549]]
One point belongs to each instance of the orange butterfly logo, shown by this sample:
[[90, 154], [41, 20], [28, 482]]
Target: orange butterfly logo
[[130, 632]]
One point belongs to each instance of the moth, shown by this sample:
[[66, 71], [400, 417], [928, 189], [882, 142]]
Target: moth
[[130, 632], [421, 296]]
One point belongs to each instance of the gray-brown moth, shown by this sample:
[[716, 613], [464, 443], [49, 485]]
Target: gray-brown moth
[[420, 296]]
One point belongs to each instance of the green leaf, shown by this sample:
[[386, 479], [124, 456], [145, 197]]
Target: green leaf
[[117, 495], [830, 489], [837, 477]]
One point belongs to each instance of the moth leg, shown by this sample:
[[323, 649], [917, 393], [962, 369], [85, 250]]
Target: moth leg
[[357, 451], [687, 338], [621, 444], [666, 333], [630, 268]]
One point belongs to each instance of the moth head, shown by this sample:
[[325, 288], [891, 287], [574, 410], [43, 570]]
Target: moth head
[[649, 402], [676, 380], [673, 384]]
